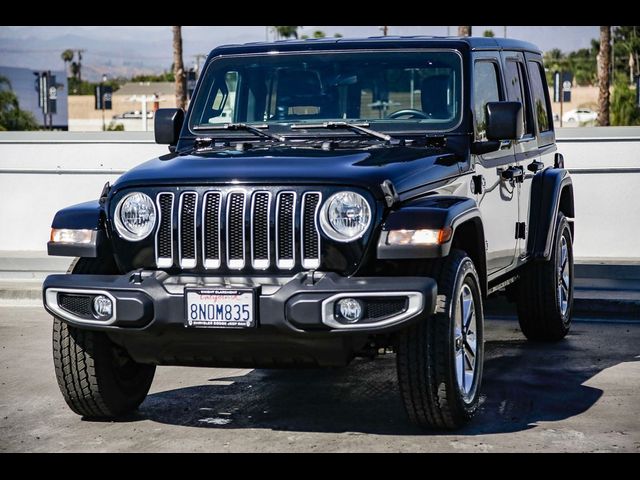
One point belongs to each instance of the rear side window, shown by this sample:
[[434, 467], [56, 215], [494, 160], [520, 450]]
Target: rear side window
[[541, 106], [485, 89], [516, 90]]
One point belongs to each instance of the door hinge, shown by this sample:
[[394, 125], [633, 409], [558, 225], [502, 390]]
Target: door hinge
[[521, 230]]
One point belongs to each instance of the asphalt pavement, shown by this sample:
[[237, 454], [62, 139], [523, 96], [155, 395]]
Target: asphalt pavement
[[578, 395]]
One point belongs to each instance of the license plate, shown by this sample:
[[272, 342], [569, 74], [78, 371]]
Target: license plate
[[220, 308]]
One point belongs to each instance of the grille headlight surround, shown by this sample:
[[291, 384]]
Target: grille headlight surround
[[135, 216], [345, 216]]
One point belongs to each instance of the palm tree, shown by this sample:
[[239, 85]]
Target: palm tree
[[604, 65], [178, 69], [286, 32], [67, 57], [464, 31]]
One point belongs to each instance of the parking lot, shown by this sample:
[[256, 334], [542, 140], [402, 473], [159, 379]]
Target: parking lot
[[582, 394]]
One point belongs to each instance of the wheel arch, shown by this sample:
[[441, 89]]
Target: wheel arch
[[551, 192], [459, 214]]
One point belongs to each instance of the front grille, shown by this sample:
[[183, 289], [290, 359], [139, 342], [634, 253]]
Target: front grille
[[229, 229], [79, 305], [285, 218], [381, 308], [164, 237], [187, 230]]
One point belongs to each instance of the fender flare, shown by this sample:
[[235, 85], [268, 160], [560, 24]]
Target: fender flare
[[432, 212], [546, 194], [82, 216]]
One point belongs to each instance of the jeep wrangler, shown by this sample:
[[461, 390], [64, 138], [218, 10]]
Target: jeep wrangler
[[324, 200]]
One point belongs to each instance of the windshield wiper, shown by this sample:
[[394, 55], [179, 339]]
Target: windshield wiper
[[355, 127], [243, 126]]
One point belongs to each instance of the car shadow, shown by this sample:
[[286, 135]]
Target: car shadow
[[524, 383]]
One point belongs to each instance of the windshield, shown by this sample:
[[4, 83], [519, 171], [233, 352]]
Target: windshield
[[393, 90]]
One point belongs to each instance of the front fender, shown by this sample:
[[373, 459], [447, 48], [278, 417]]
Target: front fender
[[546, 194], [83, 216], [433, 212]]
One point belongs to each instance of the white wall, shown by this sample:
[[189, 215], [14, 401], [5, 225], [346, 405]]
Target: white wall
[[39, 176], [43, 172], [605, 171]]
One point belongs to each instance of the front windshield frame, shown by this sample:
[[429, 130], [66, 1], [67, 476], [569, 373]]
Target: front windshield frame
[[391, 126]]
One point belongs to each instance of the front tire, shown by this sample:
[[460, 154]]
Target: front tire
[[97, 378], [545, 290], [439, 359]]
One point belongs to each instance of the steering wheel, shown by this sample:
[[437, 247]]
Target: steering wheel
[[411, 112]]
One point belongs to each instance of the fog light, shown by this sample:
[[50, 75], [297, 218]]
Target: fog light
[[350, 310], [103, 306]]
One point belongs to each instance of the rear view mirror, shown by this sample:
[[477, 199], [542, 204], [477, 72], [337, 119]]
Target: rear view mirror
[[167, 125], [504, 121]]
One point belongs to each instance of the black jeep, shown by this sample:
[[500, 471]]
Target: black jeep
[[323, 200]]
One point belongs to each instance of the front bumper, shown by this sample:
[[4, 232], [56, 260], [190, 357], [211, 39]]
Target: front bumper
[[149, 314]]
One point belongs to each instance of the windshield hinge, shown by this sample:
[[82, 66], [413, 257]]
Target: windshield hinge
[[390, 194]]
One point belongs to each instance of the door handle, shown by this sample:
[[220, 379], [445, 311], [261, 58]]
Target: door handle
[[513, 173], [535, 166]]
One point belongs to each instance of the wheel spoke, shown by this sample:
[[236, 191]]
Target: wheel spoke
[[468, 361], [460, 368], [470, 347], [469, 318]]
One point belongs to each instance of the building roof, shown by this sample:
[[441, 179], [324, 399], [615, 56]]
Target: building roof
[[416, 41], [146, 88]]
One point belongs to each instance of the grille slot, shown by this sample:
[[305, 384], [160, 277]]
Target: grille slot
[[262, 229], [211, 230], [187, 229], [285, 230], [235, 230], [260, 236], [164, 234], [309, 227]]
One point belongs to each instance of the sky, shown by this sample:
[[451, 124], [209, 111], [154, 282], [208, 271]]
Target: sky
[[127, 50]]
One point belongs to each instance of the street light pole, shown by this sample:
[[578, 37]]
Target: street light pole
[[104, 79]]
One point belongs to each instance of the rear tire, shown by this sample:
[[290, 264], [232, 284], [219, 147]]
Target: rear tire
[[545, 290], [97, 378], [439, 359]]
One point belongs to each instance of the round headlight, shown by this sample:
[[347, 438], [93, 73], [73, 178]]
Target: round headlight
[[135, 216], [345, 216]]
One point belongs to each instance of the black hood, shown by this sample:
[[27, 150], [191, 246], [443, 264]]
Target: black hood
[[407, 167]]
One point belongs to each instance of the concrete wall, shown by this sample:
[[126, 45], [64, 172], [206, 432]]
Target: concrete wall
[[42, 172]]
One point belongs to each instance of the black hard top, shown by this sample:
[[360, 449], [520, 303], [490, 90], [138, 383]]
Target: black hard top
[[417, 41]]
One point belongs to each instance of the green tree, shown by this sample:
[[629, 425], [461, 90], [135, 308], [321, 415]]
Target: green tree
[[488, 33], [626, 50], [337, 35], [67, 57], [624, 110], [11, 116], [319, 34], [286, 32]]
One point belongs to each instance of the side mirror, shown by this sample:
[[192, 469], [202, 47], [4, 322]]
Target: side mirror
[[167, 125], [504, 121]]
